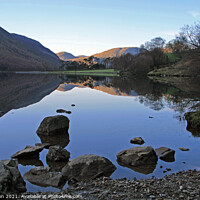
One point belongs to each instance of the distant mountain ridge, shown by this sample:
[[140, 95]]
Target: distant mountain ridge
[[19, 53], [68, 56], [115, 52]]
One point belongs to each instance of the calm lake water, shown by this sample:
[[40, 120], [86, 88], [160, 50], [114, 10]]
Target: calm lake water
[[108, 112]]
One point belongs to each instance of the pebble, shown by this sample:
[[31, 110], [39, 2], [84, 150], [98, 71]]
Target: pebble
[[182, 185]]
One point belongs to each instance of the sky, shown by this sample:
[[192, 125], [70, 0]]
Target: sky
[[85, 27]]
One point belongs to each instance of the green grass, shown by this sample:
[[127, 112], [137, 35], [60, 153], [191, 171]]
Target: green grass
[[95, 71], [98, 72], [172, 57]]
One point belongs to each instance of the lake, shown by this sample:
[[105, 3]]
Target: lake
[[108, 112]]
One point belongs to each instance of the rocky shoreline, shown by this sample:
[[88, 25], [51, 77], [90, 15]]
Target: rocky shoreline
[[88, 175], [182, 185]]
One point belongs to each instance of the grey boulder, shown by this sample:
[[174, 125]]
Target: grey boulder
[[57, 153], [137, 140], [56, 166], [10, 178], [43, 176], [87, 167], [166, 154], [54, 125], [137, 156], [28, 152]]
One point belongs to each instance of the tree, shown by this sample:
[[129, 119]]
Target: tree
[[177, 46], [190, 35], [157, 42], [155, 47]]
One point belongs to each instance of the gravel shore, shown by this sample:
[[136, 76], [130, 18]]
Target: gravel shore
[[182, 185]]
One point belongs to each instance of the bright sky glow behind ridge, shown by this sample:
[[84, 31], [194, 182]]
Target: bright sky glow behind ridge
[[85, 27]]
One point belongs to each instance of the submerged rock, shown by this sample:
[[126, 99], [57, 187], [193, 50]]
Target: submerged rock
[[54, 125], [56, 166], [53, 131], [88, 167], [63, 111], [32, 162], [166, 154], [10, 178], [184, 149], [193, 122], [57, 153], [28, 152], [137, 140], [137, 156], [43, 176]]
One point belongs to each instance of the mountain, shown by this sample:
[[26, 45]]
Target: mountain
[[19, 53], [116, 52], [65, 56], [68, 56]]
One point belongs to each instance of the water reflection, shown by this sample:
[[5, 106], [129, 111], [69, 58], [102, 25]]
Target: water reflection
[[99, 120], [21, 90], [32, 162], [143, 169], [55, 140]]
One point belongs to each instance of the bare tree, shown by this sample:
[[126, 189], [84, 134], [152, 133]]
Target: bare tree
[[191, 35]]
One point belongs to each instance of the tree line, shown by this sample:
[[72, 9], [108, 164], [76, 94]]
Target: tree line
[[155, 54]]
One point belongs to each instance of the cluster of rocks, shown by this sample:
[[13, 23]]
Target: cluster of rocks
[[53, 132], [144, 159], [10, 178], [60, 169]]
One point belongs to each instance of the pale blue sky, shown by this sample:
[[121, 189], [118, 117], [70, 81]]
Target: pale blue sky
[[85, 27]]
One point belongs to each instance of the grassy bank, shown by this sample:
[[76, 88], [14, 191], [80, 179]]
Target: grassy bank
[[98, 72]]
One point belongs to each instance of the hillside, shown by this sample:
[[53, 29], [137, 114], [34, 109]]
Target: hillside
[[188, 66], [21, 53], [65, 56], [68, 56], [116, 52]]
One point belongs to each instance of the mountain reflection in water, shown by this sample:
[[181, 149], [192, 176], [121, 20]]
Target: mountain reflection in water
[[125, 108]]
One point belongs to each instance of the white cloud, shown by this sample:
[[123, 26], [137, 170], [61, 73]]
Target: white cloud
[[194, 13]]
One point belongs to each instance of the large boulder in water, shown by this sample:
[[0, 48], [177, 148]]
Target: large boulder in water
[[88, 167], [43, 176], [10, 178], [137, 156], [166, 154], [54, 125], [57, 153], [28, 152]]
